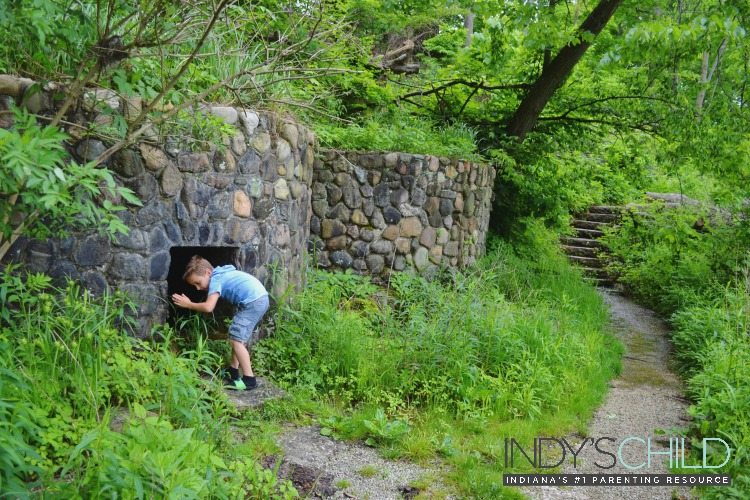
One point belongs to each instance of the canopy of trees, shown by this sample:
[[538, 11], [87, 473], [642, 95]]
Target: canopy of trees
[[575, 100]]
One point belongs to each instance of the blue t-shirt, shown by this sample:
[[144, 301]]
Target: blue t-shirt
[[238, 287]]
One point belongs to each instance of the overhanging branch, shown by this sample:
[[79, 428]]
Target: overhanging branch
[[648, 127], [473, 85], [557, 71], [614, 98]]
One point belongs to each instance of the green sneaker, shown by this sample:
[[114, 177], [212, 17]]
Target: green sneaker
[[235, 385]]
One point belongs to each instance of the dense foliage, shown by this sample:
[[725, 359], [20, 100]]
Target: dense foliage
[[662, 91], [87, 411], [463, 342], [662, 88], [657, 101], [47, 193], [513, 346], [670, 257]]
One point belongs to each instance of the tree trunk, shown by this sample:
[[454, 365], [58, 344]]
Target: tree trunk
[[469, 25], [675, 56], [557, 71], [547, 51], [707, 75]]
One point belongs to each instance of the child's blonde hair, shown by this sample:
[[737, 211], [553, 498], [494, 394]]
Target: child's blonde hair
[[198, 266]]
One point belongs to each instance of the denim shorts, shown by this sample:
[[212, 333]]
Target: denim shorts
[[247, 318]]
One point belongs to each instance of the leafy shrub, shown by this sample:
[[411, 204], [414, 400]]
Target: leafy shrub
[[552, 176], [381, 429], [479, 342], [44, 194], [711, 340], [667, 263], [18, 428], [395, 131], [71, 369], [151, 457]]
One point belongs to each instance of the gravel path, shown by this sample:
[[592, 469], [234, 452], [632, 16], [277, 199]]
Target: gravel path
[[322, 467], [352, 470], [645, 401]]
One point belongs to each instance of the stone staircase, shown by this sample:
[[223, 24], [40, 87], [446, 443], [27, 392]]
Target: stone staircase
[[585, 250]]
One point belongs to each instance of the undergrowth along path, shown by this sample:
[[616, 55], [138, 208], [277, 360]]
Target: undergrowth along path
[[645, 400]]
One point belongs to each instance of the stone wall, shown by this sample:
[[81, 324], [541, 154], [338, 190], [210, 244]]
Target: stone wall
[[376, 212], [252, 195], [261, 200]]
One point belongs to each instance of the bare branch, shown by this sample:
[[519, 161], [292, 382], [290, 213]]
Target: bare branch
[[175, 78], [74, 91], [707, 75], [471, 94], [467, 83], [648, 127], [413, 103], [17, 232], [257, 86], [311, 108]]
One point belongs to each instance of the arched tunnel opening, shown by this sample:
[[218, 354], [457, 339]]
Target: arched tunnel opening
[[180, 256]]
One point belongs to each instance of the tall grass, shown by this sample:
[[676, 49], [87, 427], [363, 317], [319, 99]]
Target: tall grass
[[495, 340], [400, 131], [713, 349], [516, 345], [88, 411]]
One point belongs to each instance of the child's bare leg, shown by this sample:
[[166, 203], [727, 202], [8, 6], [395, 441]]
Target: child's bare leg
[[234, 363], [242, 357]]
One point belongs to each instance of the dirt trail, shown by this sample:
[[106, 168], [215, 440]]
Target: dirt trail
[[340, 469], [322, 467], [646, 400]]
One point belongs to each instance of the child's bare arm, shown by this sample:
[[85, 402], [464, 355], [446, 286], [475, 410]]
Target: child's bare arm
[[208, 306]]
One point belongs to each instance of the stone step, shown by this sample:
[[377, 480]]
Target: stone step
[[588, 233], [265, 391], [586, 262], [580, 242], [595, 217], [580, 251], [601, 282], [605, 209], [595, 272], [587, 224]]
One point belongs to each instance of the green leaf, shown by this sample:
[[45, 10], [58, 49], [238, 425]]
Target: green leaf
[[139, 411]]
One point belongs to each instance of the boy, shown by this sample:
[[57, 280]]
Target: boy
[[239, 288]]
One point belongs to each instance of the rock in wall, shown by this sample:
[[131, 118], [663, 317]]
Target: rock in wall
[[377, 212]]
